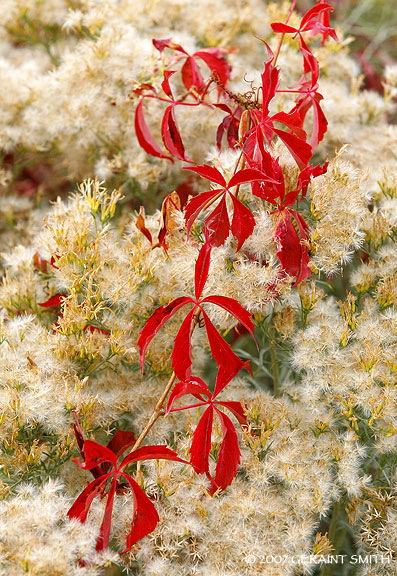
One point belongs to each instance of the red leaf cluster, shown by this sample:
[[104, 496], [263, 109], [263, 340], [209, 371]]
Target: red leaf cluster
[[110, 478]]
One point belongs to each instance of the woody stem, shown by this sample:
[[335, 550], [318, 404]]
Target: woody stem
[[158, 409], [277, 52], [280, 42]]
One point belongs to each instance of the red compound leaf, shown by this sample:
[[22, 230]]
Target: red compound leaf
[[95, 456]]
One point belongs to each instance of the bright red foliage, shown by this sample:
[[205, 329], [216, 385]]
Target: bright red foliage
[[248, 126], [229, 453], [110, 478], [229, 364]]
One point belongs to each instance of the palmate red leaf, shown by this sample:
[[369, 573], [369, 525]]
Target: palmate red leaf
[[217, 225], [201, 443], [145, 139], [228, 456], [182, 351], [243, 222], [156, 321], [194, 386], [145, 516], [170, 134], [202, 268]]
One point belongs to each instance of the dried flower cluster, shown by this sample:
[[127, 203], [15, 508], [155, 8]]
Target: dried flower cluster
[[210, 387]]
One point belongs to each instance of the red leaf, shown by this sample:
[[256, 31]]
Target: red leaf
[[291, 252], [208, 172], [217, 224], [156, 321], [299, 149], [171, 137], [81, 506], [194, 386], [314, 12], [237, 410], [280, 28], [320, 122], [182, 351], [104, 533], [53, 302], [201, 443], [202, 268], [234, 308], [40, 263], [145, 517], [191, 75], [167, 43], [96, 454], [270, 81], [304, 271], [243, 222], [168, 218], [224, 356], [196, 205], [160, 452], [291, 120], [145, 139], [216, 63], [121, 441], [247, 175], [229, 454], [166, 83]]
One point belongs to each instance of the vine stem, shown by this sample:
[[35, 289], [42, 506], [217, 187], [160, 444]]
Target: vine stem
[[280, 42], [158, 409]]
